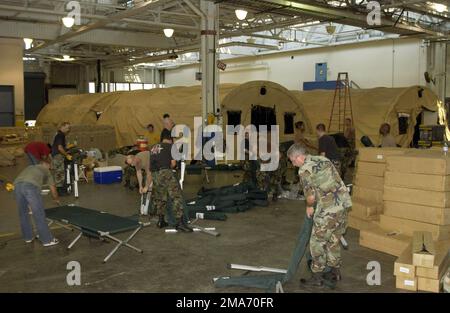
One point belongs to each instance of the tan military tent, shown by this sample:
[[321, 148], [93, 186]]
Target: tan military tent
[[372, 107], [266, 94], [130, 111]]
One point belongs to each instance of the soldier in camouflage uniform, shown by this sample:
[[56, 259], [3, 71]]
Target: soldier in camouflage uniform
[[129, 172], [165, 184], [249, 164], [59, 155], [327, 202], [262, 177]]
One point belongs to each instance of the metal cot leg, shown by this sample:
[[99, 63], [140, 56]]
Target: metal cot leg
[[75, 240], [121, 243]]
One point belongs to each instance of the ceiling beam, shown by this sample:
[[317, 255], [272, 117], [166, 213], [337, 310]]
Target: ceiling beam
[[139, 8], [181, 50], [108, 37], [248, 44], [350, 18]]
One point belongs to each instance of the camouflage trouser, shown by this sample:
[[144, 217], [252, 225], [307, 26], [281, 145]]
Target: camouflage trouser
[[325, 240], [262, 180], [275, 179], [283, 166], [349, 156], [166, 186], [58, 170], [247, 168], [130, 179]]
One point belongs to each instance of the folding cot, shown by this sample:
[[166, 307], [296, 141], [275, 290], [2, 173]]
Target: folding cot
[[93, 223]]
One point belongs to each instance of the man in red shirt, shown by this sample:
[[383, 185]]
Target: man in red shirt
[[37, 151]]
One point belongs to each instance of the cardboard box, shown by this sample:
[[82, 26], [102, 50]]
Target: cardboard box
[[359, 223], [365, 195], [366, 210], [380, 240], [419, 213], [431, 163], [406, 283], [408, 227], [378, 155], [403, 266], [371, 169], [417, 196], [428, 284], [417, 181], [441, 262], [423, 250], [371, 182]]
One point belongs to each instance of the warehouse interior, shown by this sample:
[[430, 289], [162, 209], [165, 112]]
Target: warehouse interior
[[97, 73]]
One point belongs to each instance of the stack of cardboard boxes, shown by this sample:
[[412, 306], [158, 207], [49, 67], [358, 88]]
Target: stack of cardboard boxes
[[416, 197], [422, 264], [102, 137], [367, 195], [417, 194]]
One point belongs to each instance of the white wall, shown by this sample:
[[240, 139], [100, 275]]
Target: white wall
[[11, 72], [382, 63]]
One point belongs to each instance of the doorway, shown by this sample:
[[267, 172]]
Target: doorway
[[7, 106]]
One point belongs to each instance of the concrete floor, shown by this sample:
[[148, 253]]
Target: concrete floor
[[171, 262]]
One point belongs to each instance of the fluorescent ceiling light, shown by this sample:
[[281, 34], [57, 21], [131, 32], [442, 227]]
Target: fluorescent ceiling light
[[65, 58], [168, 32], [68, 21], [28, 42], [241, 14]]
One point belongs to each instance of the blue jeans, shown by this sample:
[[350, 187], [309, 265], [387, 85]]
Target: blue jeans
[[32, 159], [30, 195]]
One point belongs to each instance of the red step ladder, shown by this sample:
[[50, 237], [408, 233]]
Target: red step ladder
[[342, 105]]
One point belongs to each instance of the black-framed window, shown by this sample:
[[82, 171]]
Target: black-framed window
[[289, 122], [234, 118], [262, 115], [403, 123]]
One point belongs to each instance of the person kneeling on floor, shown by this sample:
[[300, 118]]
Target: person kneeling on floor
[[327, 202], [165, 184], [27, 189]]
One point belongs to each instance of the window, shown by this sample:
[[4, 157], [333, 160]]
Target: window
[[234, 118], [136, 86], [263, 116], [122, 86], [289, 122], [91, 87], [403, 123]]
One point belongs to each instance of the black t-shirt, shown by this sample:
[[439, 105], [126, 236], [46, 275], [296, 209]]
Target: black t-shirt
[[165, 132], [60, 139], [328, 145], [160, 156]]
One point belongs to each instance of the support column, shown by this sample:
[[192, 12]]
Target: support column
[[436, 65], [209, 41]]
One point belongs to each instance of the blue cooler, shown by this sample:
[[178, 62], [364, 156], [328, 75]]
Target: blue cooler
[[108, 174]]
